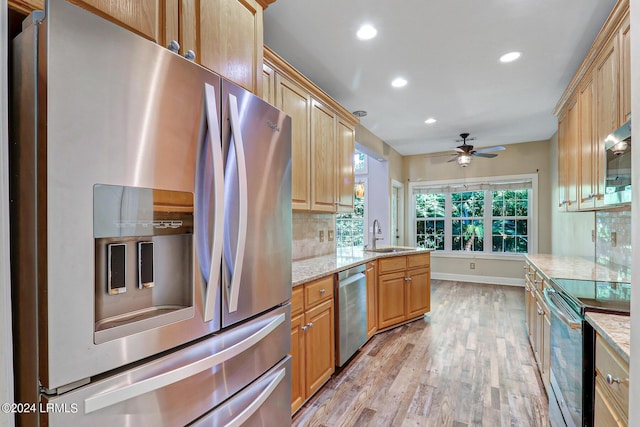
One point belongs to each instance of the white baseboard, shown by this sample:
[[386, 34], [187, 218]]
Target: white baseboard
[[507, 281]]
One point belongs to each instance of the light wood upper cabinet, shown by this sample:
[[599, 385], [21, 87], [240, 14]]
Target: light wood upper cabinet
[[141, 16], [268, 84], [323, 140], [323, 154], [296, 102], [624, 37], [346, 138], [602, 88], [230, 40]]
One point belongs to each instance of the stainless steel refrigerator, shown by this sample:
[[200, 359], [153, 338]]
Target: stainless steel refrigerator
[[151, 234]]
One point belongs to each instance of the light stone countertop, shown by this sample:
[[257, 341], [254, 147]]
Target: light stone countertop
[[615, 329], [306, 270], [573, 267]]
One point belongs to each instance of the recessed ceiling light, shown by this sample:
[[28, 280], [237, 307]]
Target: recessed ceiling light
[[359, 113], [366, 32], [430, 121], [399, 82], [509, 57]]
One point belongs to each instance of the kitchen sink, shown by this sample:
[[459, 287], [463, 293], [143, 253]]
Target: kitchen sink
[[389, 249]]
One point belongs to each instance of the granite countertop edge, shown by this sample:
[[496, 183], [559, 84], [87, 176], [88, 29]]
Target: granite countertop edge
[[307, 270], [615, 329]]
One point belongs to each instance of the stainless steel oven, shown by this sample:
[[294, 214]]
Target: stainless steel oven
[[572, 344]]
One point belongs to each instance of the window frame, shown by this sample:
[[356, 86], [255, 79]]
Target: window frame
[[488, 253]]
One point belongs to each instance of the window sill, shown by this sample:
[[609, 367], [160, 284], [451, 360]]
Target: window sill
[[478, 255]]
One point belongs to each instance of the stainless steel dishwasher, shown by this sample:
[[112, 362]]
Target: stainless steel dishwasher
[[351, 321]]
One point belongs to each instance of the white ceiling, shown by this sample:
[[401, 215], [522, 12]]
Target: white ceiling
[[448, 50]]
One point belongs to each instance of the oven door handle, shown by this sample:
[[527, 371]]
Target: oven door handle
[[564, 315]]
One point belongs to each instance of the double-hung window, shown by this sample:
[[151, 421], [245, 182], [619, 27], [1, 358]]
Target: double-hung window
[[492, 215]]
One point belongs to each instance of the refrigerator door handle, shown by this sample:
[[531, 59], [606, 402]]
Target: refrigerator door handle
[[209, 253], [233, 287], [131, 391], [258, 402]]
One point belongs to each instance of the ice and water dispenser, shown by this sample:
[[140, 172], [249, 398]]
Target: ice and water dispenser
[[143, 259]]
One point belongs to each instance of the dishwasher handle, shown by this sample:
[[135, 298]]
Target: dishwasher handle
[[349, 280]]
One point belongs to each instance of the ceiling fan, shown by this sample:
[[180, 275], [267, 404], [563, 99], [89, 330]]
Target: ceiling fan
[[465, 151]]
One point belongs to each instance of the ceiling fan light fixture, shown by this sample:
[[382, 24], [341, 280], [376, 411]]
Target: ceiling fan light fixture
[[366, 32], [464, 160]]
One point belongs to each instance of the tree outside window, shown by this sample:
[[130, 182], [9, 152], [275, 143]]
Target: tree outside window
[[430, 214], [467, 223]]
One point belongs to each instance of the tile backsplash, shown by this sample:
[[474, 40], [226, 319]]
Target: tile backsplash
[[306, 234], [613, 239]]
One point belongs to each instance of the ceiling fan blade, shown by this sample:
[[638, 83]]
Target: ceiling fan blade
[[490, 156], [489, 149], [452, 160]]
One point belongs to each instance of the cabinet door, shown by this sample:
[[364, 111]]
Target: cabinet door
[[346, 137], [230, 39], [539, 334], [418, 292], [139, 16], [604, 412], [607, 86], [372, 325], [572, 155], [323, 155], [533, 316], [391, 299], [319, 346], [527, 302], [625, 71], [563, 123], [297, 361], [546, 349], [587, 177], [296, 102]]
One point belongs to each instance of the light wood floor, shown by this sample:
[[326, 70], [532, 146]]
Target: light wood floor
[[467, 363]]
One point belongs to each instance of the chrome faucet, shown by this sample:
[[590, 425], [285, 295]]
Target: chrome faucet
[[379, 231]]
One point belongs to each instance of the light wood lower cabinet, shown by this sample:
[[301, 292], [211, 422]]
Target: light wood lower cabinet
[[612, 387], [312, 339], [372, 300], [538, 321], [404, 288]]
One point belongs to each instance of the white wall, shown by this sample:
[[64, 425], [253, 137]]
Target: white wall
[[634, 409], [378, 199], [6, 366]]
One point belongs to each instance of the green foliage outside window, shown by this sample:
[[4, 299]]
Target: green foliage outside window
[[350, 230]]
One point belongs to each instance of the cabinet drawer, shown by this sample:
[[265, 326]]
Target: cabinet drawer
[[605, 414], [297, 301], [609, 363], [318, 291], [386, 265], [419, 260]]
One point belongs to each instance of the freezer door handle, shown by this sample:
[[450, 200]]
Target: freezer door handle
[[258, 402], [209, 252], [233, 285], [131, 391]]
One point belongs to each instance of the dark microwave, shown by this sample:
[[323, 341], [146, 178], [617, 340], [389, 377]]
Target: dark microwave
[[618, 166]]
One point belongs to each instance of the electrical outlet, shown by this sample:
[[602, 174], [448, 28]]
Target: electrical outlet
[[614, 239], [322, 235], [472, 265], [330, 235]]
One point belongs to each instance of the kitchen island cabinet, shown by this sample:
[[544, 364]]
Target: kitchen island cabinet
[[312, 338], [404, 288], [611, 406], [538, 321], [372, 299]]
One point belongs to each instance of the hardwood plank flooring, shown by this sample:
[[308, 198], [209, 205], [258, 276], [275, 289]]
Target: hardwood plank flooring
[[466, 363]]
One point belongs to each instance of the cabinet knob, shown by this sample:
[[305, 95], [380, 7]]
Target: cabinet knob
[[304, 328], [310, 324], [610, 380], [540, 312], [526, 288], [322, 291], [174, 46], [190, 55], [408, 279]]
